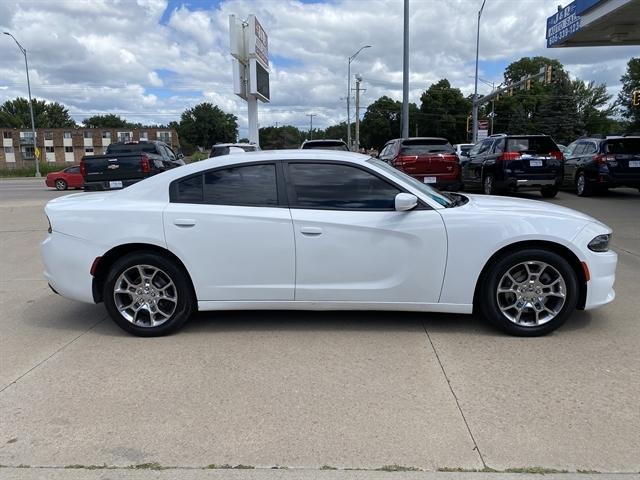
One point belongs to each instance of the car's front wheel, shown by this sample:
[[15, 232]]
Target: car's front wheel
[[148, 295], [61, 184], [529, 292]]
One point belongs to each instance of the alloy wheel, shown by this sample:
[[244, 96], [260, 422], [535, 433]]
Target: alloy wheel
[[531, 293], [580, 184], [61, 184], [145, 296]]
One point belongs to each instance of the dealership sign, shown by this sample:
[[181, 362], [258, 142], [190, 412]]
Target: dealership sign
[[567, 21]]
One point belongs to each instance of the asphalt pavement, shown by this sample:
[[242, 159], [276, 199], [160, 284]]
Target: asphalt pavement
[[308, 392]]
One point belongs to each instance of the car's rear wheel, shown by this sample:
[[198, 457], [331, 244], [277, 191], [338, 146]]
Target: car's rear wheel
[[61, 184], [529, 292], [549, 192], [583, 188], [148, 295]]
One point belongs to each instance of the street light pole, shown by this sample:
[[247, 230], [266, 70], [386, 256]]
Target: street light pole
[[351, 58], [33, 124], [475, 91], [405, 73]]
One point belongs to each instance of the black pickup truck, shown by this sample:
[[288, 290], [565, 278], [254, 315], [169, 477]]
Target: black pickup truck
[[126, 163]]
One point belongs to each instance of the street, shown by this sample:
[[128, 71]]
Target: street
[[301, 390]]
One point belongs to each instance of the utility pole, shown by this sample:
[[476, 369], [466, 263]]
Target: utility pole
[[405, 73], [351, 58], [311, 115], [474, 113], [358, 80], [33, 124]]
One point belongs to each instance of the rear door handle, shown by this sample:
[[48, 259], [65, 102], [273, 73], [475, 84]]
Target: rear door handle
[[311, 231], [184, 222]]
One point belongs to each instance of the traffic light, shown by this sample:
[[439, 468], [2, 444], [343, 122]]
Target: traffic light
[[469, 124], [548, 74], [635, 98]]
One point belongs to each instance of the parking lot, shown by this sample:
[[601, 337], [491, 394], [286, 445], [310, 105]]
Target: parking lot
[[345, 390]]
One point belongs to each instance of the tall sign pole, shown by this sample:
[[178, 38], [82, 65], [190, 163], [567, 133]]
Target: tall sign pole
[[249, 45]]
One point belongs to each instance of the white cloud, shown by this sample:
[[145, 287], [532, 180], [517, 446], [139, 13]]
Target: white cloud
[[98, 56]]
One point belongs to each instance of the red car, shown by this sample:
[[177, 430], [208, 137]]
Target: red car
[[70, 177], [431, 160]]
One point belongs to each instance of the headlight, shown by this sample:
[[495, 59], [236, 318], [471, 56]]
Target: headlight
[[600, 243]]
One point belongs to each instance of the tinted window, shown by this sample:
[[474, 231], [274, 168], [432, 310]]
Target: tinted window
[[131, 148], [189, 190], [499, 146], [251, 185], [579, 149], [485, 146], [590, 148], [623, 146], [326, 145], [218, 151], [425, 146], [330, 186], [465, 148], [73, 170], [534, 145]]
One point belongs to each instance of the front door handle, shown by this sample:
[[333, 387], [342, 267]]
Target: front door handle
[[311, 231], [184, 222]]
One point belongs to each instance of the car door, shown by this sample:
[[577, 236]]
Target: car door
[[73, 177], [351, 243], [233, 233], [474, 168], [570, 162]]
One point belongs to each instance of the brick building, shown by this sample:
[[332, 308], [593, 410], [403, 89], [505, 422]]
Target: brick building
[[66, 146]]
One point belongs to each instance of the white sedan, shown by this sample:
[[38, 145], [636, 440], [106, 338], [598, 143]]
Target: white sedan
[[321, 230]]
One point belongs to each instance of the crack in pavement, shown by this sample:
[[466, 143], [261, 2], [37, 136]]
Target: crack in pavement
[[455, 397], [20, 377]]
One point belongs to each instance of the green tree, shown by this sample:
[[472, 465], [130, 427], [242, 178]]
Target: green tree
[[529, 66], [204, 125], [382, 122], [444, 112], [592, 104], [15, 114], [630, 83], [286, 136], [107, 121]]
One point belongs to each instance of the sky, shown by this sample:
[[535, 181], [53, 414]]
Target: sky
[[149, 60]]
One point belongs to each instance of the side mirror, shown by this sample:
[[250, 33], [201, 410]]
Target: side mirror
[[405, 201], [180, 156]]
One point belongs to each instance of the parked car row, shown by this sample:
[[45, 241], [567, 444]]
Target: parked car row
[[509, 163]]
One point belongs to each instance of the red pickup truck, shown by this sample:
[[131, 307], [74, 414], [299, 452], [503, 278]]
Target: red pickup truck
[[431, 160]]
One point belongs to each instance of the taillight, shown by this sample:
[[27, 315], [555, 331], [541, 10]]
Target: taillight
[[508, 156], [407, 159], [83, 168], [603, 159], [144, 164], [557, 154]]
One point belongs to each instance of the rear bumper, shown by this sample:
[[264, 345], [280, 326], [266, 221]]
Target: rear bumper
[[67, 261], [442, 183], [104, 185], [515, 183], [610, 181]]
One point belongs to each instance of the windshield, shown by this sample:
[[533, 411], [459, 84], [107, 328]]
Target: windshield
[[624, 146], [431, 192]]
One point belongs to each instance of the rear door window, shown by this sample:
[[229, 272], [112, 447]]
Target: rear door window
[[425, 147], [247, 185]]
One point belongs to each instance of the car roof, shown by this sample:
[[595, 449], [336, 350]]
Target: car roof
[[233, 145], [323, 140]]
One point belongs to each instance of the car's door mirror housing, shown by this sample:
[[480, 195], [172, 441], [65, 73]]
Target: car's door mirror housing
[[405, 201]]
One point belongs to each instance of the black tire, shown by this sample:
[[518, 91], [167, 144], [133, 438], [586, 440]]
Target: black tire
[[488, 187], [583, 188], [178, 311], [61, 184], [549, 192], [488, 295]]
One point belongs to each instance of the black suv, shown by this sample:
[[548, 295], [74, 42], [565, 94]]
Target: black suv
[[596, 164], [504, 163]]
